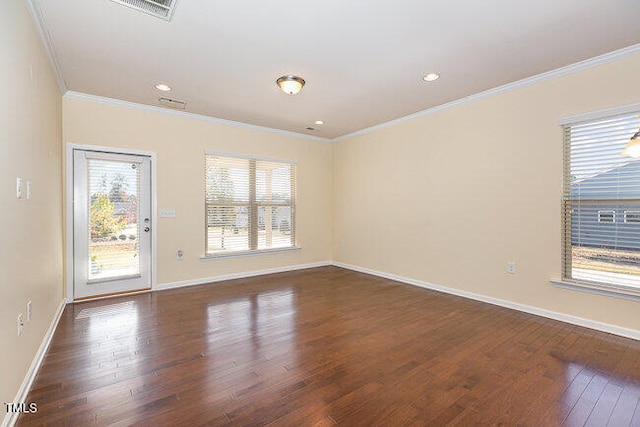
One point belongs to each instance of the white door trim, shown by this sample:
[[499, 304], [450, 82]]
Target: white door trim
[[68, 210]]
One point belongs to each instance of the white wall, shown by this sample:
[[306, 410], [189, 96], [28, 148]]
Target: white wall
[[180, 143], [31, 230], [450, 198]]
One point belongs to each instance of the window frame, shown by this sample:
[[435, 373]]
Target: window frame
[[566, 282], [601, 216], [253, 207], [636, 213]]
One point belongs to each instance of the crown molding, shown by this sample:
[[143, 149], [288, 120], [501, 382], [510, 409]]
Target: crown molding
[[36, 13], [549, 75], [186, 114], [601, 114], [45, 38]]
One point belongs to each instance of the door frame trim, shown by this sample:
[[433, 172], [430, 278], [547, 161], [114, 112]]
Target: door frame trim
[[68, 208]]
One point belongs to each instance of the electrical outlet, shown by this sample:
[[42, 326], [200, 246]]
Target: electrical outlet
[[179, 254], [20, 324], [19, 188], [511, 267], [29, 312], [341, 244]]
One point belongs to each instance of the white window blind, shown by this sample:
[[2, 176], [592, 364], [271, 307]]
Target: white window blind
[[600, 201], [250, 204]]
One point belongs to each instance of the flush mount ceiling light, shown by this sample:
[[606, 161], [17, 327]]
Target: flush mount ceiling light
[[163, 87], [290, 84], [431, 77], [319, 122], [633, 147]]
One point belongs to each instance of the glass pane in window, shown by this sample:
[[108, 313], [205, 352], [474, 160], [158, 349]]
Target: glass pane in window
[[275, 227], [227, 228], [604, 190], [273, 182], [227, 180]]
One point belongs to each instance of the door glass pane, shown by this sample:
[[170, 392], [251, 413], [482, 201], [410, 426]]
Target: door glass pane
[[114, 229]]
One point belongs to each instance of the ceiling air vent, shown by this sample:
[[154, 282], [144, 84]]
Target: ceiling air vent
[[162, 9], [172, 103]]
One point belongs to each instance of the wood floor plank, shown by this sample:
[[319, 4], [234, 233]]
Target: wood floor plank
[[327, 346], [623, 412], [603, 409], [587, 401]]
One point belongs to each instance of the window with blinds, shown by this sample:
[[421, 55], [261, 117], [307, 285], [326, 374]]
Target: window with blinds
[[601, 203], [250, 204]]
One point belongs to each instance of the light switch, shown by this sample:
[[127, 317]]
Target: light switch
[[28, 190], [167, 213], [19, 188]]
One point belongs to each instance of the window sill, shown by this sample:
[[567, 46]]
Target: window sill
[[617, 291], [248, 253]]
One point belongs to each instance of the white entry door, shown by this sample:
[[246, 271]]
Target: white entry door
[[111, 223]]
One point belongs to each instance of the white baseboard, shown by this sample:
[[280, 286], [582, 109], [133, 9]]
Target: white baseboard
[[241, 275], [11, 417], [574, 320]]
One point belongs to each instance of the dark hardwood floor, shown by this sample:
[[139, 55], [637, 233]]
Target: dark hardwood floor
[[327, 346]]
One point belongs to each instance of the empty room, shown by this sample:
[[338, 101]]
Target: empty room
[[320, 213]]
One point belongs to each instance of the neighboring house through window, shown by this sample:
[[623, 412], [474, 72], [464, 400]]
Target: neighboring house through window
[[601, 188], [250, 204]]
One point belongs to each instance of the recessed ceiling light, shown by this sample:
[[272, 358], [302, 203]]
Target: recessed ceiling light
[[319, 122], [431, 77], [163, 87]]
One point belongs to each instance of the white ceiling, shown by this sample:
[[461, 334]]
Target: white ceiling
[[363, 60]]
